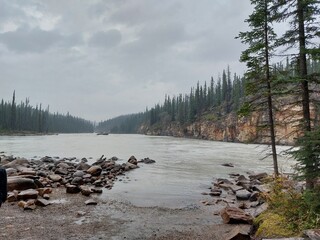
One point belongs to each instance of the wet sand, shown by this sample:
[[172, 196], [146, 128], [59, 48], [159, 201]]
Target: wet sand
[[69, 218]]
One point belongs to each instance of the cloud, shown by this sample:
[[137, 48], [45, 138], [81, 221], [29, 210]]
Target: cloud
[[29, 40], [101, 58], [106, 39]]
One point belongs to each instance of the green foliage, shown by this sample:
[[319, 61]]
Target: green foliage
[[290, 211], [308, 155], [272, 225]]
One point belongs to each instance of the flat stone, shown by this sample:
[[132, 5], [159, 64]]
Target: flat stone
[[42, 202], [260, 209], [28, 194], [232, 187], [61, 171], [233, 215], [239, 232]]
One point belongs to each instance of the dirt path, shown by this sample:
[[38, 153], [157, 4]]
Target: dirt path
[[69, 218]]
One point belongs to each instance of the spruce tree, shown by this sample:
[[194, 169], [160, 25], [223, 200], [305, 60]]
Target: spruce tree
[[303, 16], [257, 57]]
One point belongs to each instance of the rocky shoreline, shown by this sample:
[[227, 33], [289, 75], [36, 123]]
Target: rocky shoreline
[[69, 187], [30, 182]]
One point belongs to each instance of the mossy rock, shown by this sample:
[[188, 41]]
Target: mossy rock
[[272, 225]]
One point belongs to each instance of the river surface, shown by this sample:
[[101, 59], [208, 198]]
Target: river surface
[[184, 168]]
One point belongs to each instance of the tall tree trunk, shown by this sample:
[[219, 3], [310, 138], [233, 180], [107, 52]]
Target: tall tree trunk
[[270, 104], [303, 73]]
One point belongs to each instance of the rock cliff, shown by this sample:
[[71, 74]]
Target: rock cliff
[[232, 128]]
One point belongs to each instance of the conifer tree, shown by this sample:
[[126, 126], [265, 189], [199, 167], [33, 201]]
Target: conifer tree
[[303, 35], [257, 57]]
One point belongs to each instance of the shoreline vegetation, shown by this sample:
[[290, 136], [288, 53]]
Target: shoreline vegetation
[[24, 133]]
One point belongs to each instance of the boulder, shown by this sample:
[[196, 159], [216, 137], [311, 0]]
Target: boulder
[[243, 194], [28, 194], [79, 173], [20, 183], [95, 170], [77, 181], [240, 232], [133, 160], [234, 215], [83, 166], [61, 171], [72, 188]]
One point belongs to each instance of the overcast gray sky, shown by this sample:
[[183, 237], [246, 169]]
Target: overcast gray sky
[[99, 59]]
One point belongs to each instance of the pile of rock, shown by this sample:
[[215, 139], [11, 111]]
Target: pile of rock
[[31, 181], [241, 197]]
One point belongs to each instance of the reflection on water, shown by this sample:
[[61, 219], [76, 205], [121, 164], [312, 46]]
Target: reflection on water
[[184, 167]]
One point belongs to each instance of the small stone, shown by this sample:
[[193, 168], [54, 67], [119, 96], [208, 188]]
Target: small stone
[[96, 190], [90, 202], [227, 165], [85, 190], [243, 195], [77, 181], [42, 202], [95, 170], [55, 177], [61, 171], [46, 196], [72, 188]]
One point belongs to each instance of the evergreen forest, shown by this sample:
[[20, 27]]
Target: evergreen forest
[[23, 117]]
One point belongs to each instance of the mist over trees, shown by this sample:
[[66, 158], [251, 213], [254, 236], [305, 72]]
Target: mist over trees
[[24, 117]]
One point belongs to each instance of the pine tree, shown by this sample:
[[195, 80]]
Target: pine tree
[[303, 16], [257, 57]]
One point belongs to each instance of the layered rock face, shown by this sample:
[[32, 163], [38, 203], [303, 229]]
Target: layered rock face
[[233, 128]]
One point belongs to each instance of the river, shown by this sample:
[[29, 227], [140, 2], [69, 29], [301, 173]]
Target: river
[[184, 167]]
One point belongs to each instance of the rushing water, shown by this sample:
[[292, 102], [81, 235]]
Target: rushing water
[[184, 167]]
